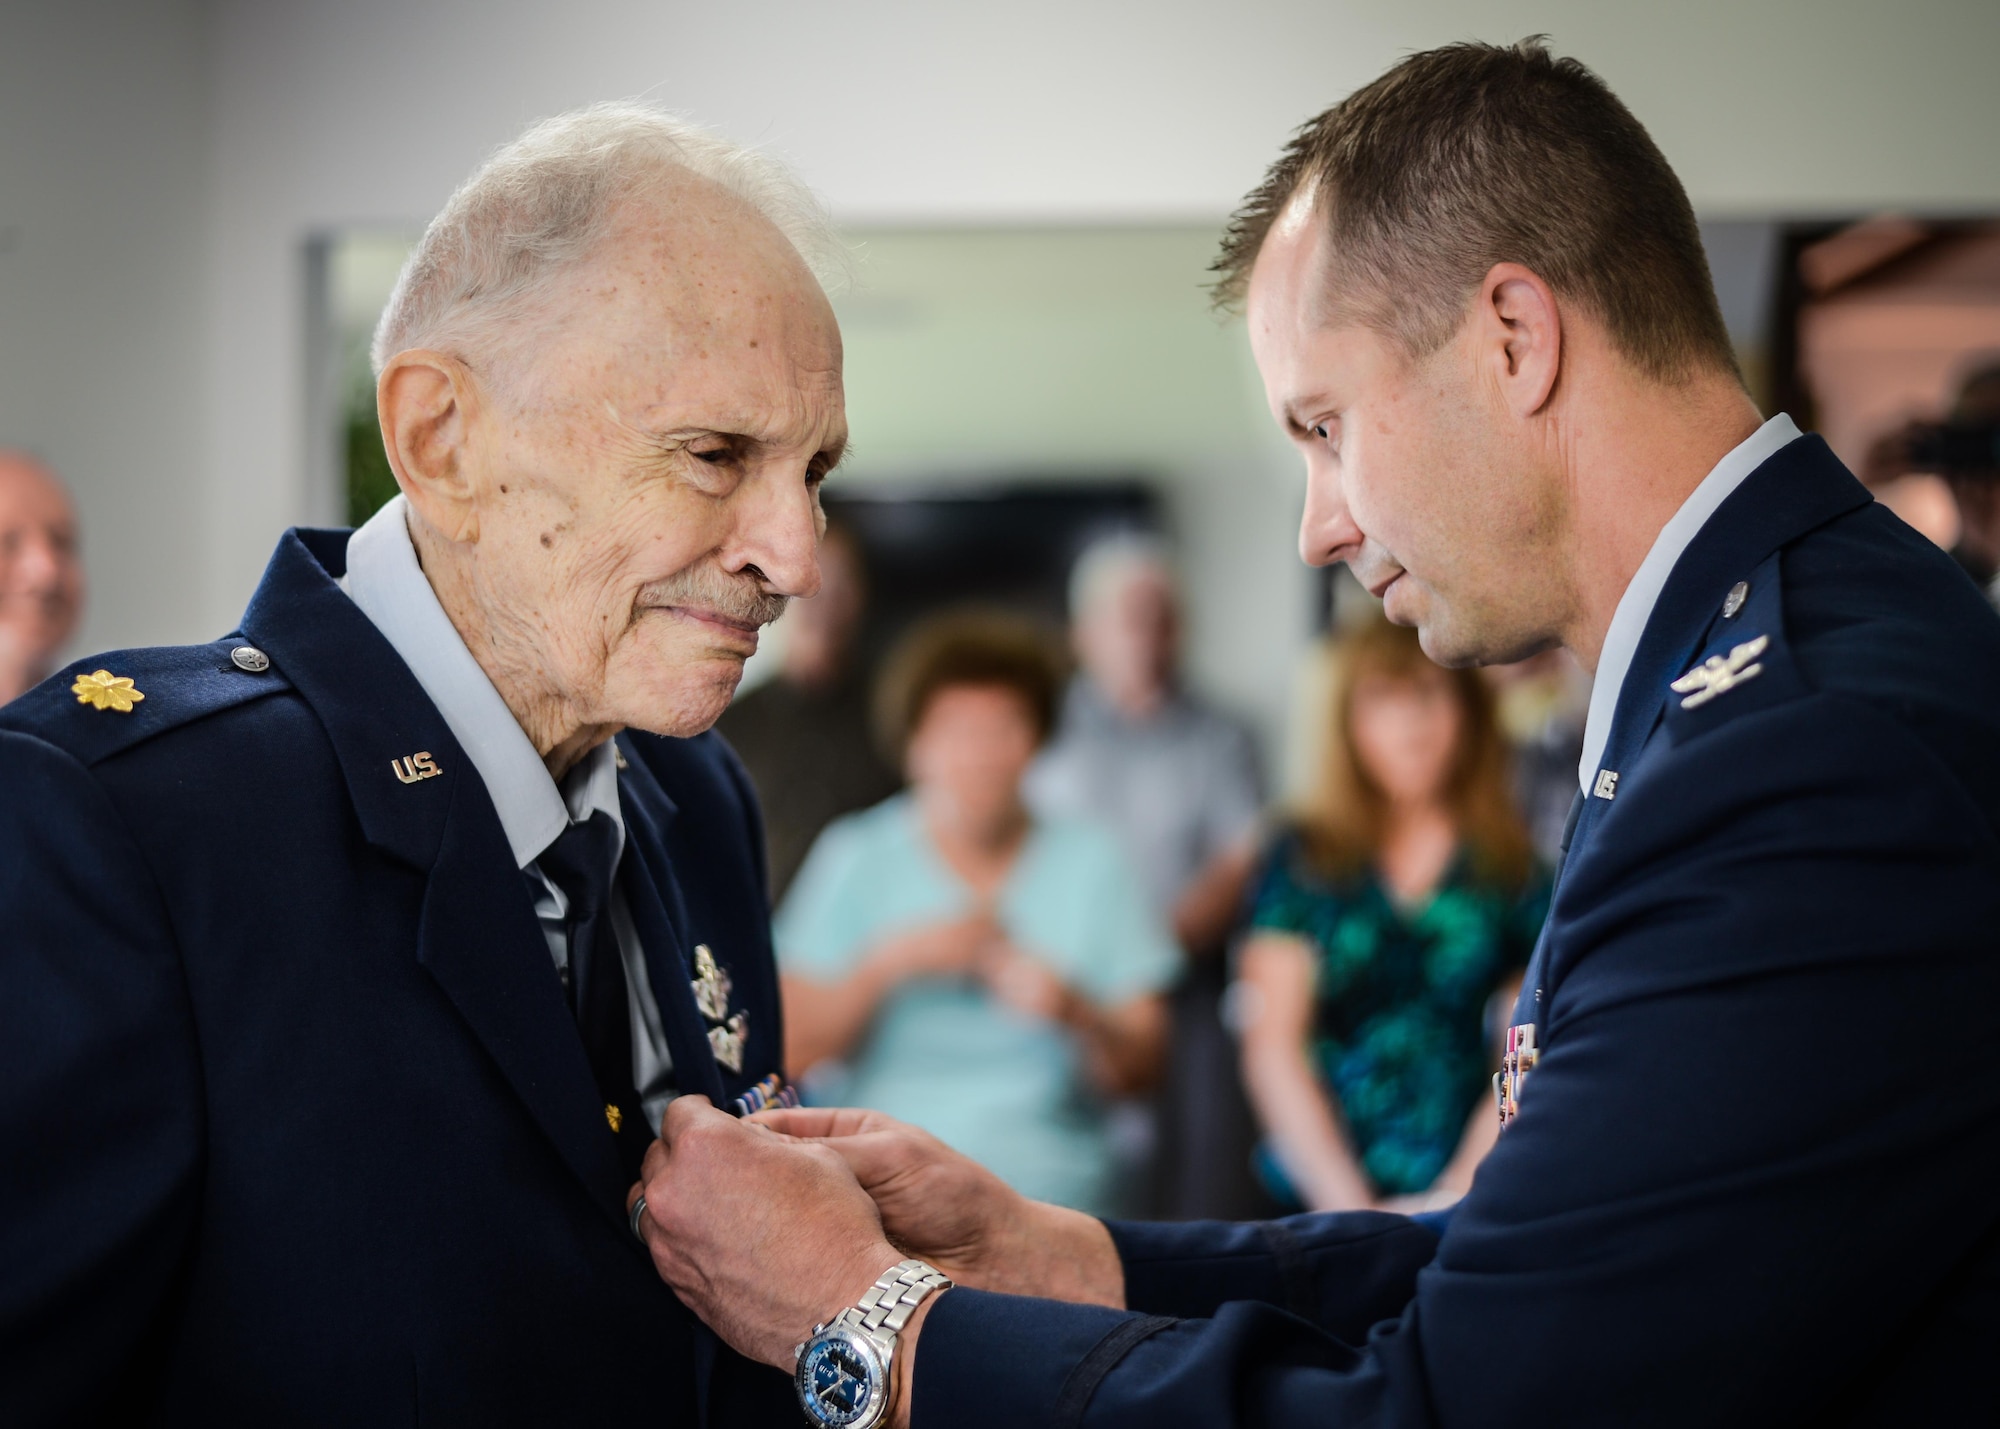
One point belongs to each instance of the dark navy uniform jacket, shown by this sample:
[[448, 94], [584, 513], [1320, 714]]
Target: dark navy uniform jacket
[[295, 1125], [1755, 1176]]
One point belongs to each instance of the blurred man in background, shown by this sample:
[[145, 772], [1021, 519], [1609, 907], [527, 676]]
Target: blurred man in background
[[41, 574], [804, 735], [1178, 783], [1962, 454]]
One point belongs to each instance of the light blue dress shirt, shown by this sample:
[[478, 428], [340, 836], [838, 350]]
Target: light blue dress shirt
[[385, 579], [1006, 1089]]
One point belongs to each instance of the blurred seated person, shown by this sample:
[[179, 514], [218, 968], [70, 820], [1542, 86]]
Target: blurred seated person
[[1386, 920], [1944, 478], [41, 574], [804, 734], [988, 975]]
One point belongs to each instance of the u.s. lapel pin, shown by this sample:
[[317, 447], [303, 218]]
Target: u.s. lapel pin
[[413, 768], [1719, 674]]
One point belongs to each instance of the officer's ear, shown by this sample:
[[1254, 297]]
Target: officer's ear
[[1520, 331], [425, 402]]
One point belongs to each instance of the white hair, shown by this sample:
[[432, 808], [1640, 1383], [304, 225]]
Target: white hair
[[540, 204], [1106, 564]]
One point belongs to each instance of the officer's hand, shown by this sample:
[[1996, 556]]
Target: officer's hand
[[762, 1236], [949, 1210]]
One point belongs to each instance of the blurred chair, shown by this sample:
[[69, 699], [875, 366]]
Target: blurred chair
[[804, 735], [41, 572], [991, 976], [1178, 782]]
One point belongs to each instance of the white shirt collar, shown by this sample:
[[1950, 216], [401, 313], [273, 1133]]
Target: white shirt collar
[[1635, 607], [385, 580]]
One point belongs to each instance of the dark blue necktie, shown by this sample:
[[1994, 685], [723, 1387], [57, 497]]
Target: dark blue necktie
[[582, 862]]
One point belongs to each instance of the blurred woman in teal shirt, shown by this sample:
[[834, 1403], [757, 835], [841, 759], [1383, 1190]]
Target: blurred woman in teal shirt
[[1390, 917], [991, 977]]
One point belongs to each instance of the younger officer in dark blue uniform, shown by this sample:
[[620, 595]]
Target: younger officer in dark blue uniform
[[348, 961], [1752, 1101]]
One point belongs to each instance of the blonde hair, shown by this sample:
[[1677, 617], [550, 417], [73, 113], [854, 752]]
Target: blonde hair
[[1344, 820]]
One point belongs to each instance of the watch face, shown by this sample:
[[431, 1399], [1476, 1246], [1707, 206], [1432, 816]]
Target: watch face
[[838, 1381]]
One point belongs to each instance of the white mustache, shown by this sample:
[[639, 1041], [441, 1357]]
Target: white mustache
[[705, 588]]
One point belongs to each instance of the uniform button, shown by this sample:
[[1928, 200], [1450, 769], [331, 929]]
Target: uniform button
[[249, 657], [1733, 602]]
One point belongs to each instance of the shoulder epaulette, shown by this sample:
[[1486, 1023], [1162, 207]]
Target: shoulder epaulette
[[105, 704]]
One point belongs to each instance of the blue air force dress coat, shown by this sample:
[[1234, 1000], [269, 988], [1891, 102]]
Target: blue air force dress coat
[[1754, 1177], [297, 1126]]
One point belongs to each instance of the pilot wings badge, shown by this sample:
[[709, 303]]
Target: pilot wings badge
[[1719, 674]]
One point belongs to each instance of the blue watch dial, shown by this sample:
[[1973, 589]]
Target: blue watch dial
[[838, 1383]]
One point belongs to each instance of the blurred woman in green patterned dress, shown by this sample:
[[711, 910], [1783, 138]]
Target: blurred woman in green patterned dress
[[1392, 914]]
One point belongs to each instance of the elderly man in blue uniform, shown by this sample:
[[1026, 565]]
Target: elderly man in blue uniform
[[351, 959], [1751, 1091]]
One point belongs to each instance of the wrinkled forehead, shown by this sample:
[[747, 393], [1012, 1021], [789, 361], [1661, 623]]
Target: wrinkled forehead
[[687, 261], [691, 301]]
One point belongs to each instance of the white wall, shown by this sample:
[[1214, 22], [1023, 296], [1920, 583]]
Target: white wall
[[326, 115], [100, 313]]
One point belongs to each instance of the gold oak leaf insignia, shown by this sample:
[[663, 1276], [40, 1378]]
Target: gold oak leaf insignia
[[102, 690]]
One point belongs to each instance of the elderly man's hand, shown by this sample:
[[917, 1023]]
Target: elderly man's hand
[[762, 1236], [947, 1209]]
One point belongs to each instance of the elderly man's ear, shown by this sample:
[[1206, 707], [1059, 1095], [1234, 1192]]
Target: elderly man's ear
[[426, 402]]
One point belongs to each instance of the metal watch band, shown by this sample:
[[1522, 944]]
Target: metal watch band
[[890, 1301]]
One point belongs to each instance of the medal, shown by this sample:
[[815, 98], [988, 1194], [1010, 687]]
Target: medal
[[772, 1091], [727, 1033], [711, 985], [1519, 1060]]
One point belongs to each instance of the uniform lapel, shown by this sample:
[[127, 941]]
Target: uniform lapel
[[659, 914], [477, 936], [1801, 487]]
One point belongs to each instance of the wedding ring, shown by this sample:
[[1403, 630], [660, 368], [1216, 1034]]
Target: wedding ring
[[638, 1210]]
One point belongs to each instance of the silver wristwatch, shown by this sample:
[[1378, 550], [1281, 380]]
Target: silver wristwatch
[[846, 1374]]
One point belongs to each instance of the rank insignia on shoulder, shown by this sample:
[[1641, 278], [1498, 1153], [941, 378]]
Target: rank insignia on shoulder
[[1520, 1059], [102, 690], [1719, 674]]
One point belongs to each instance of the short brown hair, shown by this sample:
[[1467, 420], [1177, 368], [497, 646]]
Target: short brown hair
[[1343, 824], [1470, 155], [965, 648]]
